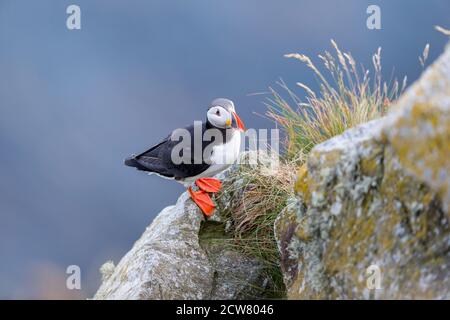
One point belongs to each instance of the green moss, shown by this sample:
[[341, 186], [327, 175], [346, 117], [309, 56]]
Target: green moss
[[211, 232]]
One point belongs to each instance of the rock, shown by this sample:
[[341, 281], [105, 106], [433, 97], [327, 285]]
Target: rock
[[419, 129], [373, 204], [107, 269], [177, 258]]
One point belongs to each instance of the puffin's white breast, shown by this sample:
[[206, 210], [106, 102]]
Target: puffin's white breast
[[227, 153], [222, 157]]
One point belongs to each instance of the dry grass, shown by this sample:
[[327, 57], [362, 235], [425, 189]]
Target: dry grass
[[442, 30], [257, 196], [348, 96], [252, 198], [423, 58]]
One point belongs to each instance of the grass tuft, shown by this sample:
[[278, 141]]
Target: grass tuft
[[251, 199], [348, 96]]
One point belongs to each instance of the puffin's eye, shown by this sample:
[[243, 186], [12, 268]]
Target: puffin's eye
[[218, 112]]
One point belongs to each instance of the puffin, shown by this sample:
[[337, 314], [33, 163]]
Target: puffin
[[218, 148]]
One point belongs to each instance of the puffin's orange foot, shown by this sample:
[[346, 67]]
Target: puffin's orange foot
[[203, 200], [211, 185]]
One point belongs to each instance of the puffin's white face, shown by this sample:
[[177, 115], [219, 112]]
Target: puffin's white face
[[222, 114], [219, 117]]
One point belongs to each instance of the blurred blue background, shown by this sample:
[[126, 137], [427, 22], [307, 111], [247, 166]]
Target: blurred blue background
[[74, 104]]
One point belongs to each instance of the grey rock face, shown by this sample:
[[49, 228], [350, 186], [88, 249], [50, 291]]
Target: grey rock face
[[169, 261]]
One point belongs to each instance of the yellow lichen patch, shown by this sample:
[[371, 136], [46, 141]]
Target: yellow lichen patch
[[386, 240], [296, 290], [421, 229], [421, 139], [299, 290], [370, 164], [428, 197], [348, 248], [301, 231], [301, 184], [328, 158]]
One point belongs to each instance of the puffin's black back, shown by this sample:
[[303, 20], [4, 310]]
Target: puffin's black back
[[158, 158]]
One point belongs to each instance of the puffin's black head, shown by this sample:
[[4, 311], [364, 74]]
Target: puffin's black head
[[221, 114]]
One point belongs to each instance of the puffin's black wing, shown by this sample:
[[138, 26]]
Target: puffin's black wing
[[158, 159], [149, 160]]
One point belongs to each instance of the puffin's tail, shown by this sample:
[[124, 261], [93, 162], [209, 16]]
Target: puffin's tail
[[147, 164], [132, 162]]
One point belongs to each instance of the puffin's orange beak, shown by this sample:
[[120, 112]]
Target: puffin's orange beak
[[239, 122]]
